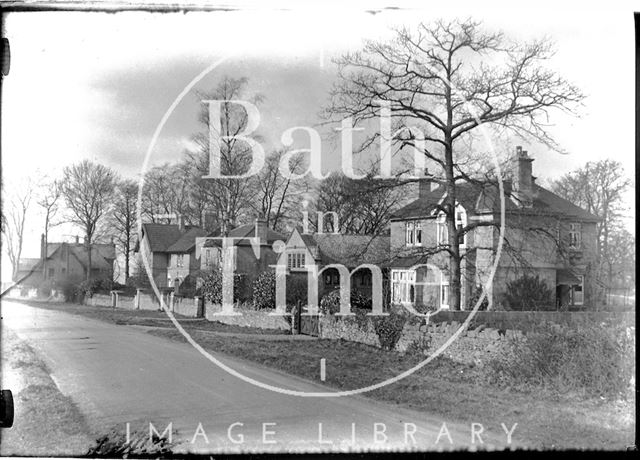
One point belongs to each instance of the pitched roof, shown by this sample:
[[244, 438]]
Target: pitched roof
[[161, 236], [27, 263], [101, 256], [249, 231], [485, 198], [187, 241], [349, 250]]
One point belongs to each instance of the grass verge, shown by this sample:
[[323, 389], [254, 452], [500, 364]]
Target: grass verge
[[46, 422], [449, 389]]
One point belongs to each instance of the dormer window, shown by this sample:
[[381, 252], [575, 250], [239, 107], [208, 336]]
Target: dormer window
[[413, 233], [575, 235]]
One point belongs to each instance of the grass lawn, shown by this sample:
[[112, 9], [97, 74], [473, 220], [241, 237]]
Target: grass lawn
[[445, 388]]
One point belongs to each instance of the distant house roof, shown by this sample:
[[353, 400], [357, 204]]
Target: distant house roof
[[26, 264], [246, 231], [161, 236], [485, 198], [249, 231], [187, 241], [348, 250]]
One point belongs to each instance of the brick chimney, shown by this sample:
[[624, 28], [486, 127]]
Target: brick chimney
[[261, 228], [180, 220], [43, 249], [426, 185], [77, 239], [522, 179]]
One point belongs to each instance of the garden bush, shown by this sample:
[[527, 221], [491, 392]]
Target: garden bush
[[389, 328], [264, 290], [330, 302], [473, 300], [212, 287], [529, 293], [598, 359]]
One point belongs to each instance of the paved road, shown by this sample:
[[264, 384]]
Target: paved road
[[120, 374]]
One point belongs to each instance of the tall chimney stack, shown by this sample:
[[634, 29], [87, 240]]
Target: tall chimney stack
[[261, 228], [522, 180], [180, 220], [43, 249]]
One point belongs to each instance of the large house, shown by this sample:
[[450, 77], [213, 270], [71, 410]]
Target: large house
[[170, 251], [66, 262], [545, 235]]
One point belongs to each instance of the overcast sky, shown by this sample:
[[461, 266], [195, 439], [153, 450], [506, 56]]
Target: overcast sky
[[95, 85]]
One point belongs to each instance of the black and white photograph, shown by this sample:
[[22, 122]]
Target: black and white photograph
[[317, 228]]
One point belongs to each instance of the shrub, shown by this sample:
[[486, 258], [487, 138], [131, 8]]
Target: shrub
[[597, 359], [419, 345], [68, 289], [389, 329], [330, 302], [473, 300], [212, 287], [139, 280], [529, 293], [264, 290], [188, 287]]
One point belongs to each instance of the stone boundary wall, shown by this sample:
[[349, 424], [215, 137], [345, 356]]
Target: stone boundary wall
[[187, 307], [333, 327], [475, 345], [528, 320], [249, 318]]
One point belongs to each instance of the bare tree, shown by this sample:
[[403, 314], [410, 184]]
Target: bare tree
[[275, 196], [13, 225], [364, 206], [124, 219], [49, 201], [88, 188], [447, 79], [229, 197]]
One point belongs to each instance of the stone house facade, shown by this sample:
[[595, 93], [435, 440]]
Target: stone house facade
[[545, 235]]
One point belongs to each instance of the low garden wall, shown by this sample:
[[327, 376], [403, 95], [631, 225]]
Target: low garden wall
[[478, 343], [126, 302], [186, 306], [148, 301], [248, 318], [102, 300], [528, 320]]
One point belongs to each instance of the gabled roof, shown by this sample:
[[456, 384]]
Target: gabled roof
[[161, 236], [485, 198], [348, 250], [187, 241]]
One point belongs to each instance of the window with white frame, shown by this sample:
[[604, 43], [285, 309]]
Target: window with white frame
[[179, 260], [577, 292], [413, 233], [296, 260], [444, 291], [461, 222], [403, 286], [575, 235], [441, 229]]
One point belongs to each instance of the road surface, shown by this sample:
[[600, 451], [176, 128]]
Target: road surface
[[120, 374]]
